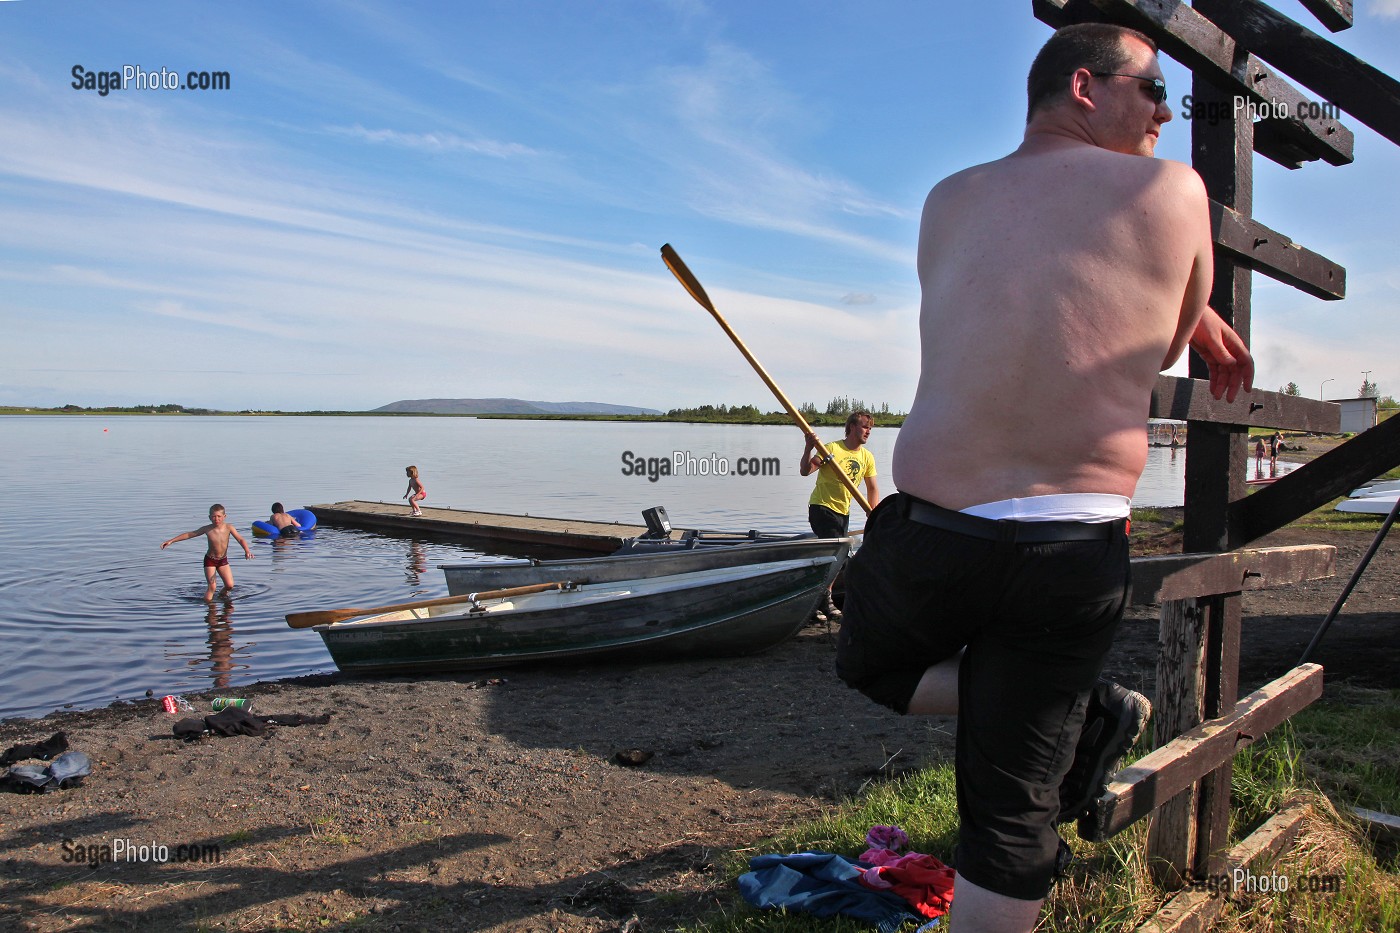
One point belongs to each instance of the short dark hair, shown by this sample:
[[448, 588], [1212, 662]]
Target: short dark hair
[[276, 507], [857, 416], [1096, 46]]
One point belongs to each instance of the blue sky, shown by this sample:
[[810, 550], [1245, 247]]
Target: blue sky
[[407, 200]]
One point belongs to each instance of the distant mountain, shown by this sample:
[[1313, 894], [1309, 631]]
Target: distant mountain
[[508, 406]]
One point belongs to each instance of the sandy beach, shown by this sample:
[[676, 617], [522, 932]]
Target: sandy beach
[[498, 801]]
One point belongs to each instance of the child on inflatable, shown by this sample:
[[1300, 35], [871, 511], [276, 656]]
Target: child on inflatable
[[286, 525]]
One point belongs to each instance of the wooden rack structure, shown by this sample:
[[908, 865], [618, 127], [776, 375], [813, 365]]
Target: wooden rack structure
[[1237, 48]]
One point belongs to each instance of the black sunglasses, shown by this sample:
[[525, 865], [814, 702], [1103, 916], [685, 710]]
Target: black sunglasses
[[1154, 88]]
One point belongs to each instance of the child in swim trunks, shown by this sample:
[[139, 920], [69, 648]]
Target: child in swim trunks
[[286, 525], [218, 532], [416, 493]]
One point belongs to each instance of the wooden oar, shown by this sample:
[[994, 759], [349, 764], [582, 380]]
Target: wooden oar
[[330, 616], [692, 285]]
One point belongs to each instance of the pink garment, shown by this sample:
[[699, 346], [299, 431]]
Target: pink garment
[[886, 843], [922, 880]]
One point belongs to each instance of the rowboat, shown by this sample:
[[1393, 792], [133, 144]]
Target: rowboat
[[1371, 505], [615, 568], [708, 613]]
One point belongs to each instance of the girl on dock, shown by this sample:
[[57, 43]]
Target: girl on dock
[[416, 493]]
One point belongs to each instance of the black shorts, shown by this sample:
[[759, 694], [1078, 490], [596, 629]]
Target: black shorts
[[826, 523], [1034, 621]]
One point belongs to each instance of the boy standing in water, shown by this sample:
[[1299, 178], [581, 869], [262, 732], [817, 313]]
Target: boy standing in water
[[216, 560]]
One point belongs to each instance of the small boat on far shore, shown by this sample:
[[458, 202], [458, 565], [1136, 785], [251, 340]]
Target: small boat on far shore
[[719, 612]]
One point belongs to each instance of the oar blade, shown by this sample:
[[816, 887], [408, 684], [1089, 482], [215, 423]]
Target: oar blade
[[685, 277]]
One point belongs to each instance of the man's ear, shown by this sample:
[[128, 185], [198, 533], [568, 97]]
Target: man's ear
[[1080, 89]]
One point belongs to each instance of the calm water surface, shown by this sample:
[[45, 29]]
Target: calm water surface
[[91, 610]]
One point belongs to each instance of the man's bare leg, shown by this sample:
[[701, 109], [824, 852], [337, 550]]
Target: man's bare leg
[[937, 692], [977, 910]]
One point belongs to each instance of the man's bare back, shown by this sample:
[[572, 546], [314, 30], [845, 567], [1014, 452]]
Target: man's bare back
[[1057, 283]]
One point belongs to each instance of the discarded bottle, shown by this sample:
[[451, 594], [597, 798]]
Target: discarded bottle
[[223, 703]]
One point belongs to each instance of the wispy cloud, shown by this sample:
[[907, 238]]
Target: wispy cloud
[[435, 142], [1386, 9]]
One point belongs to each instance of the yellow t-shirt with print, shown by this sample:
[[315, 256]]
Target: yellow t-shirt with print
[[829, 492]]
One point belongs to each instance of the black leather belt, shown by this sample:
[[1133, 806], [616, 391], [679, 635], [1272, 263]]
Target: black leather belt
[[1014, 532]]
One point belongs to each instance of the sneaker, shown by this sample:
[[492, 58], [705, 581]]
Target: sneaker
[[830, 609], [818, 617], [1114, 720]]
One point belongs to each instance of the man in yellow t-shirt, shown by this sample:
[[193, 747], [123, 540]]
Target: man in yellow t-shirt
[[829, 508]]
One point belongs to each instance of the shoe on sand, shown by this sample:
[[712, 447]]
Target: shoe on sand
[[1114, 720], [830, 608]]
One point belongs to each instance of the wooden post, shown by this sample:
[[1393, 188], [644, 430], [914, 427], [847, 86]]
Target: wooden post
[[1215, 468], [1177, 707]]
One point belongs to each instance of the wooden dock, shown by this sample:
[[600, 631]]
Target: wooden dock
[[604, 537]]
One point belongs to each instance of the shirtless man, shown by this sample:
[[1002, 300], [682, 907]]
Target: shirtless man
[[218, 532], [1057, 282]]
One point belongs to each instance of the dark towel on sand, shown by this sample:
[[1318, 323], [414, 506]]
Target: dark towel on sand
[[53, 745], [237, 721]]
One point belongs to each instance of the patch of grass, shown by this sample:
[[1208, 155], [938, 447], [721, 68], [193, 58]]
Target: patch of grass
[[1346, 745], [1327, 517], [237, 837], [1146, 515]]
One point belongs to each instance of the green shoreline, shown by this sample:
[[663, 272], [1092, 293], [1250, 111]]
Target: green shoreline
[[815, 420]]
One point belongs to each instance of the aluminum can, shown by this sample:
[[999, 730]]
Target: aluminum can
[[222, 703], [167, 703]]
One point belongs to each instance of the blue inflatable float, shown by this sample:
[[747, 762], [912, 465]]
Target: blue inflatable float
[[305, 519]]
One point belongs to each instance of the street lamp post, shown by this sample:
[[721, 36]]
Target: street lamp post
[[1321, 387]]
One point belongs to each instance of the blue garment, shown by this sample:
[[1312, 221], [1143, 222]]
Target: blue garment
[[821, 884]]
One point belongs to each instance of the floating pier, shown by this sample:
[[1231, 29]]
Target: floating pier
[[604, 537]]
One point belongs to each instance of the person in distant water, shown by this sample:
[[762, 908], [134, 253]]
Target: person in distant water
[[416, 493], [1056, 283], [829, 508], [1275, 445], [1259, 456], [218, 531], [286, 526]]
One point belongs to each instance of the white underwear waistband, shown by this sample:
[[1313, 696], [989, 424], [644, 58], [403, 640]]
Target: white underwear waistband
[[1061, 507]]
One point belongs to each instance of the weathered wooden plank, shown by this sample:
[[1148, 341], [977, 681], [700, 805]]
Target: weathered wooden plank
[[1297, 129], [1193, 911], [1171, 577], [1383, 825], [1334, 14], [1275, 255], [1190, 38], [1222, 693], [1177, 707], [1335, 473], [1190, 400], [1365, 92], [1157, 777]]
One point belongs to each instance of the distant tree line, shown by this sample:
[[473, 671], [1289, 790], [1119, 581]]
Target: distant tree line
[[835, 414]]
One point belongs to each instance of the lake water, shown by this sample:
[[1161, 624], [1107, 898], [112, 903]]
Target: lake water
[[91, 610]]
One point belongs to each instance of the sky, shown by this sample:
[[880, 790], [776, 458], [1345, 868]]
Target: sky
[[428, 200]]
